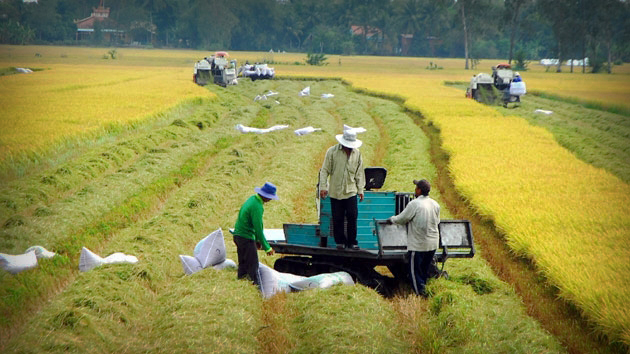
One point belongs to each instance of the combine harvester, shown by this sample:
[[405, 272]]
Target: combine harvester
[[217, 69], [503, 86], [310, 249]]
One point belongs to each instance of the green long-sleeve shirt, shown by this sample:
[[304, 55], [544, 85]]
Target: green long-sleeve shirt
[[250, 221]]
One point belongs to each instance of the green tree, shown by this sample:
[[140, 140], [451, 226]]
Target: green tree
[[12, 32], [426, 20], [476, 17], [513, 10], [316, 59], [606, 24], [563, 25]]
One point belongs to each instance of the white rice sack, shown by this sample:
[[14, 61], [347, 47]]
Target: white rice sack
[[191, 264], [211, 250], [278, 127], [273, 282], [305, 92], [268, 281], [41, 252], [244, 129], [322, 281], [18, 263], [357, 130], [119, 257], [518, 88], [228, 263], [89, 260], [304, 131], [285, 279]]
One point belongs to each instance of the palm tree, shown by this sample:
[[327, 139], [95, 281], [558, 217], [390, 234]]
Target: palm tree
[[421, 18]]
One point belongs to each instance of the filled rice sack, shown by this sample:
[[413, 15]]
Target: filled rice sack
[[518, 88], [322, 281], [190, 264], [228, 263], [89, 260], [211, 249], [273, 282], [18, 263], [41, 252]]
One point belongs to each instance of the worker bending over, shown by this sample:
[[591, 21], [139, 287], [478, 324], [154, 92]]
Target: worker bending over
[[248, 232]]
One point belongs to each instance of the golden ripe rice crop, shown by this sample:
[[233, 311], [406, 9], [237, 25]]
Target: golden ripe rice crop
[[570, 218], [64, 101]]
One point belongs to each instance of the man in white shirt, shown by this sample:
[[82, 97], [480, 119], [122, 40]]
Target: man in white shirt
[[422, 216]]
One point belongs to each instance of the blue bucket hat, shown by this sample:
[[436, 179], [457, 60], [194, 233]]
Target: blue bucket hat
[[267, 191]]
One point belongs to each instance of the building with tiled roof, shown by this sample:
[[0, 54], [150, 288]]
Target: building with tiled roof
[[99, 20]]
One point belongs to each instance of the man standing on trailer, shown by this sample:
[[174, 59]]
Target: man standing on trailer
[[344, 165], [423, 217]]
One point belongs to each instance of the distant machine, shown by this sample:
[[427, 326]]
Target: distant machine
[[217, 69], [504, 86], [257, 71]]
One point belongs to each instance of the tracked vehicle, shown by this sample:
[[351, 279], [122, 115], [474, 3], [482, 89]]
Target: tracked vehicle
[[504, 86], [381, 262], [217, 69]]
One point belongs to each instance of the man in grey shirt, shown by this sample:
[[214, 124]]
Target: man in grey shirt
[[344, 165], [422, 216]]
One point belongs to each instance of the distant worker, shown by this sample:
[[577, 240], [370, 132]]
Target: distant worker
[[248, 232], [422, 216], [344, 165]]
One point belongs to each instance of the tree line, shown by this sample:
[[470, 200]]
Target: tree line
[[472, 29]]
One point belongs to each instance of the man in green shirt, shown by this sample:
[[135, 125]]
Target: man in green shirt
[[248, 232], [344, 165]]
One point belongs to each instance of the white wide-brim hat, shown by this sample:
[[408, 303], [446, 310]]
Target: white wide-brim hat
[[349, 139]]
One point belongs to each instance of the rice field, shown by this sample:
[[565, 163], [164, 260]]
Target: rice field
[[59, 105], [570, 218]]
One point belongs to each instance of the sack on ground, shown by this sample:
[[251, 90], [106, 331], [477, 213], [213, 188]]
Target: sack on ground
[[41, 252], [211, 250], [322, 281], [228, 263], [190, 264], [18, 263], [89, 260], [273, 282], [305, 92]]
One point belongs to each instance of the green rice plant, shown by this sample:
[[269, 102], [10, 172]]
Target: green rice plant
[[88, 227], [518, 176], [592, 104], [151, 306], [332, 325]]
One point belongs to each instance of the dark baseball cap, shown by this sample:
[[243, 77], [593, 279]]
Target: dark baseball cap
[[423, 184]]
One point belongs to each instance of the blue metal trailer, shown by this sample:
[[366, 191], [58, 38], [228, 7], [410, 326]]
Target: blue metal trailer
[[310, 249]]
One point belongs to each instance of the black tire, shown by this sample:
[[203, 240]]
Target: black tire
[[294, 265], [399, 271]]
